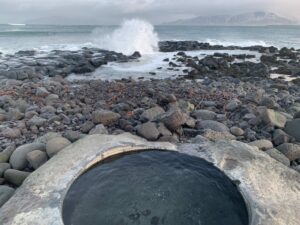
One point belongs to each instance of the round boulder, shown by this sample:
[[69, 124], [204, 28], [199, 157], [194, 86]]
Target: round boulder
[[5, 194], [18, 159], [55, 145], [291, 151], [15, 177]]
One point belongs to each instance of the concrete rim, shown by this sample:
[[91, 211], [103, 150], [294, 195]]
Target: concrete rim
[[39, 200]]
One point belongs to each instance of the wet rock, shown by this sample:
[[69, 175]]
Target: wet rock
[[5, 194], [15, 177], [149, 131], [99, 129], [275, 154], [18, 159], [36, 158], [273, 118], [291, 151], [293, 129], [105, 117], [262, 144], [55, 145]]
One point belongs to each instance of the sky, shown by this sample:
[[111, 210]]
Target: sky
[[111, 12]]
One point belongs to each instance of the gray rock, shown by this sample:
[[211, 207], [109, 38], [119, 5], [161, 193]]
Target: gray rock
[[3, 168], [170, 139], [163, 130], [5, 155], [262, 144], [204, 114], [18, 158], [293, 128], [212, 125], [15, 177], [72, 135], [36, 158], [237, 131], [11, 133], [280, 137], [105, 117], [152, 113], [36, 121], [55, 145], [149, 131], [47, 137], [174, 119], [99, 129], [198, 139], [274, 153], [217, 136], [291, 151], [5, 194], [273, 118], [233, 105], [42, 92], [15, 114], [87, 126]]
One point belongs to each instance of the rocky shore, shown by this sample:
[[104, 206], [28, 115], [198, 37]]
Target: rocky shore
[[221, 97]]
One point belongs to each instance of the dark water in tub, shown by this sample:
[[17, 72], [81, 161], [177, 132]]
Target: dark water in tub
[[154, 188]]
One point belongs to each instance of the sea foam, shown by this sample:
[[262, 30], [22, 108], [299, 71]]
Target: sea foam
[[133, 35]]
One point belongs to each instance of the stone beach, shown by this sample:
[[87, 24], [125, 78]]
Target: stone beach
[[220, 97]]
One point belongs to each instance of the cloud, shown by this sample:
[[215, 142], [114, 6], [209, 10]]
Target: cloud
[[114, 11]]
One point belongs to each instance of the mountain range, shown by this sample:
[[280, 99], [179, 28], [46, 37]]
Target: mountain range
[[244, 19]]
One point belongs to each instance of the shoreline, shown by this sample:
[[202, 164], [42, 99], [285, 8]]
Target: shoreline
[[220, 97]]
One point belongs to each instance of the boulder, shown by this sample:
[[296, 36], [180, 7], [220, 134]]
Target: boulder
[[87, 126], [274, 118], [151, 114], [293, 129], [15, 177], [262, 144], [280, 137], [5, 194], [55, 145], [174, 119], [37, 158], [233, 105], [5, 155], [105, 117], [275, 154], [149, 131], [18, 159], [291, 151]]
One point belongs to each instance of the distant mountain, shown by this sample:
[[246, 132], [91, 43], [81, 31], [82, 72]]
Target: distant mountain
[[245, 19]]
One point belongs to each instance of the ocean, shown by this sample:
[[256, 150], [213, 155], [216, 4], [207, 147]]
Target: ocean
[[14, 37]]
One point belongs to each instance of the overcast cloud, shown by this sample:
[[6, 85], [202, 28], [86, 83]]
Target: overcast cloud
[[114, 11]]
